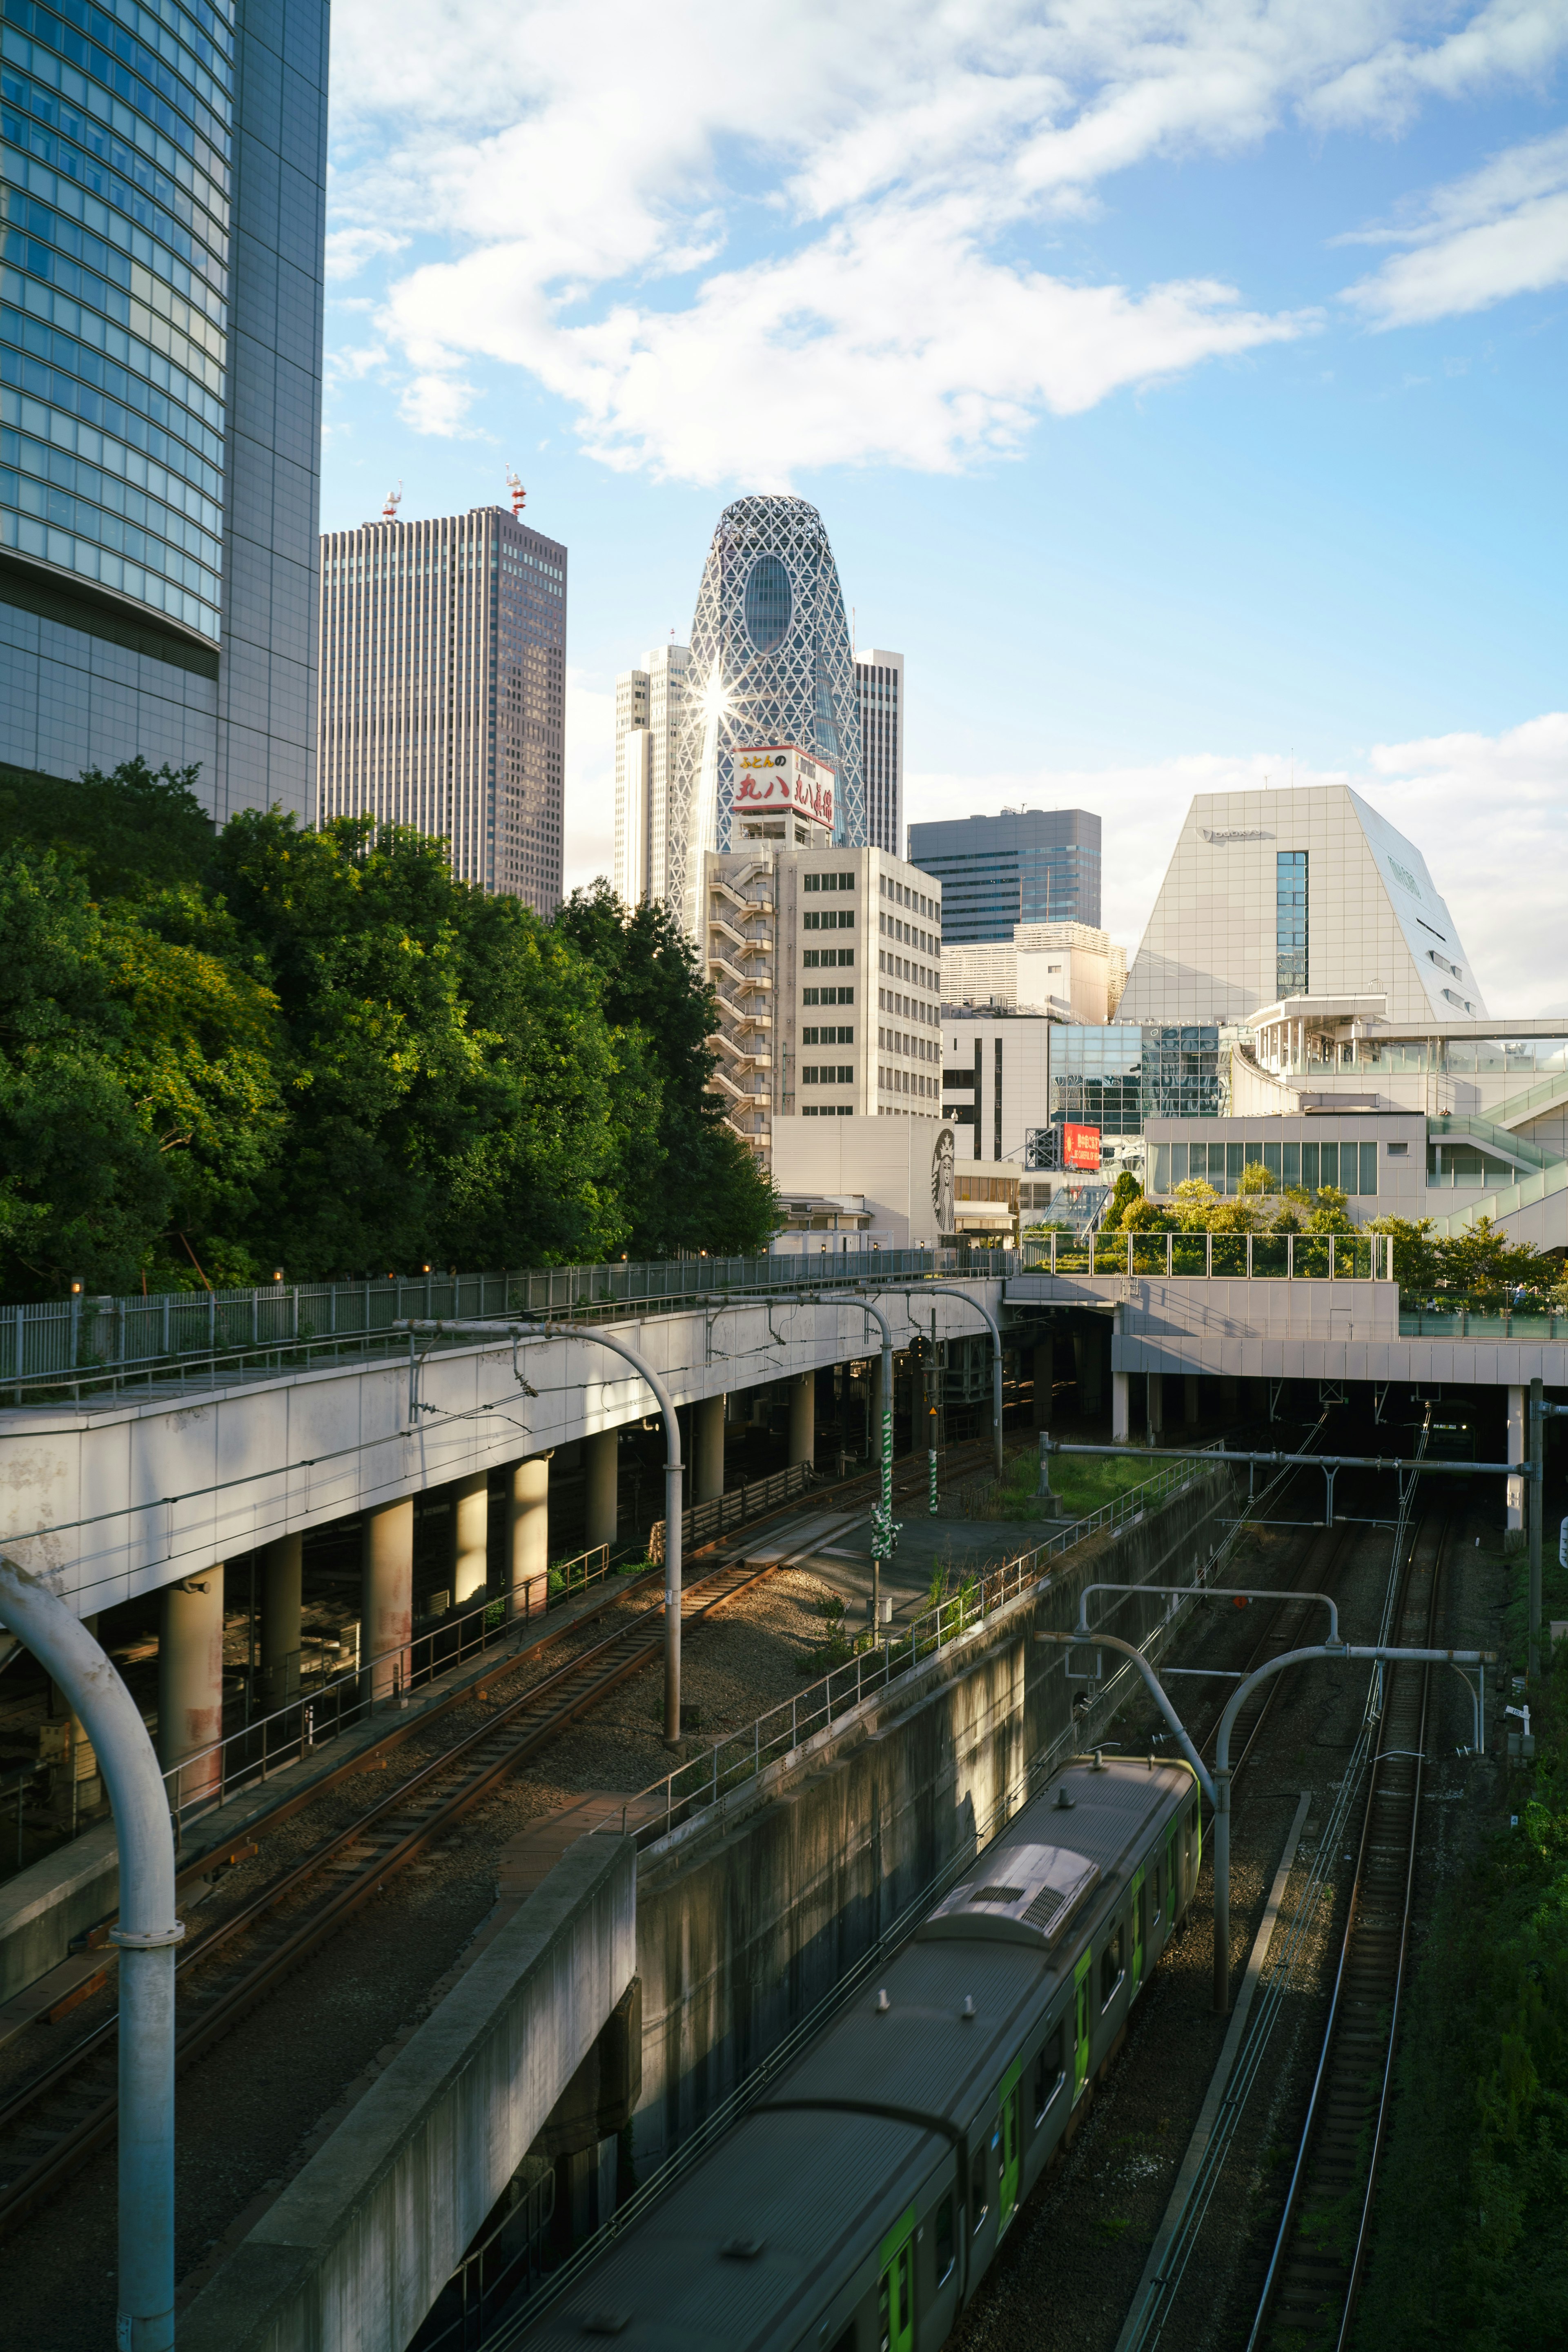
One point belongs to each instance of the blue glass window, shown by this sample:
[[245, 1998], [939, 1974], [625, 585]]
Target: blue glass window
[[768, 604], [1290, 935]]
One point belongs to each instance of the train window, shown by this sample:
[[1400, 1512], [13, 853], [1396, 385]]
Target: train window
[[1159, 1894], [1047, 2073], [945, 2251], [1143, 1912], [1111, 1967], [979, 2200], [1193, 1818]]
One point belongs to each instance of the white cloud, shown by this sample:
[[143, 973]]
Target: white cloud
[[1500, 231], [349, 249], [1487, 811], [792, 234], [437, 404]]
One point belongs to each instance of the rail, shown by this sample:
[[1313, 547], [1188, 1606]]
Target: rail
[[1210, 1256], [704, 1780], [1506, 1201], [1478, 1323], [104, 1345]]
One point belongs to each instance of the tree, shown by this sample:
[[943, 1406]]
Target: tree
[[689, 1181], [130, 834], [1125, 1192]]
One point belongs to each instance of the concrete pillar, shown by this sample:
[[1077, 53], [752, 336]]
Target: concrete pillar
[[1514, 1522], [190, 1682], [1156, 1406], [1190, 1399], [386, 1563], [281, 1578], [1120, 1409], [528, 1536], [1044, 1372], [708, 1449], [469, 1537], [601, 1465], [803, 1418]]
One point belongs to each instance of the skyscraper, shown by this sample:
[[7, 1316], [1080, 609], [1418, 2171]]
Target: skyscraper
[[160, 392], [650, 705], [1026, 866], [443, 690], [880, 688], [771, 666]]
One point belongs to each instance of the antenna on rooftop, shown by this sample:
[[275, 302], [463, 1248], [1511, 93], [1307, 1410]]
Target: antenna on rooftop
[[519, 495], [393, 501]]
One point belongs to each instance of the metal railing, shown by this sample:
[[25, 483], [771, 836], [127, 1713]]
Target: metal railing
[[1210, 1256], [1480, 1323], [1507, 1201], [93, 1346], [704, 1780]]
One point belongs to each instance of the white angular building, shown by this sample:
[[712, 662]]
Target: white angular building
[[770, 665], [1271, 895]]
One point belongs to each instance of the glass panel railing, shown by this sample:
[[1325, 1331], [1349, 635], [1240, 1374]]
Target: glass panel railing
[[1230, 1253], [1111, 1254], [1310, 1254], [1149, 1253], [1352, 1258], [1189, 1254], [1270, 1256], [1073, 1256]]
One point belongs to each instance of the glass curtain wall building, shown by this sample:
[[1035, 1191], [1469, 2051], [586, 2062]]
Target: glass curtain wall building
[[163, 183], [770, 665], [443, 690], [1026, 866], [1117, 1076]]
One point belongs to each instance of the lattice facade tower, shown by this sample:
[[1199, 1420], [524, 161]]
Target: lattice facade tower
[[443, 690], [771, 662]]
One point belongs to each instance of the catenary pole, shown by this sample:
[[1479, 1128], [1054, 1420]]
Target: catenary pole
[[949, 1290], [146, 1934]]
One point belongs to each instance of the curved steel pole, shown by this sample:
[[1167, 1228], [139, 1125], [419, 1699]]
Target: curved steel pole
[[146, 1934], [1130, 1650], [1335, 1651], [949, 1290], [882, 1516]]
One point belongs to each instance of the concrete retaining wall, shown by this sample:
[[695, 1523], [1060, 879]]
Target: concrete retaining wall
[[357, 2248], [745, 1922]]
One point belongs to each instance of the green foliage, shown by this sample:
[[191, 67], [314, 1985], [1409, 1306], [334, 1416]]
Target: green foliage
[[129, 834], [1478, 1264], [687, 1180], [1126, 1191], [1470, 2252], [272, 1046]]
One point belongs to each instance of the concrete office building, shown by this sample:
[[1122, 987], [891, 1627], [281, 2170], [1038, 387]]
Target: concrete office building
[[160, 395], [827, 965], [771, 667], [879, 687], [1068, 971], [443, 690], [650, 709], [1025, 866], [1308, 893]]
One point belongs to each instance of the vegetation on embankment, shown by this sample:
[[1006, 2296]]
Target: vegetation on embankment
[[228, 1051]]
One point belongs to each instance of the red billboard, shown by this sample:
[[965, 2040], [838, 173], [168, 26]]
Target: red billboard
[[1080, 1148]]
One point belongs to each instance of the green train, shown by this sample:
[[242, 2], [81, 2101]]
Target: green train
[[859, 2207]]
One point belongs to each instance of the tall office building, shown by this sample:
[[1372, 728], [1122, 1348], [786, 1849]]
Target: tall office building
[[650, 705], [1026, 866], [163, 193], [771, 668], [443, 690], [880, 688]]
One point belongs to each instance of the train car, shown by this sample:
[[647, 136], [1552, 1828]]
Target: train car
[[859, 2207]]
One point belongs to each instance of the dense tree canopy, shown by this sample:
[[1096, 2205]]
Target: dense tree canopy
[[278, 1046]]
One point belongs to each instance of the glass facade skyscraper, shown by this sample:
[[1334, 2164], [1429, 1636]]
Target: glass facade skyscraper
[[770, 665], [1025, 866], [879, 683], [443, 690], [161, 185]]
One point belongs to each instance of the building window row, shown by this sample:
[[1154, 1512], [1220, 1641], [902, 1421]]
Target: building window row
[[106, 390], [829, 996], [815, 958], [827, 1036], [86, 127], [828, 1074], [207, 102], [907, 1082]]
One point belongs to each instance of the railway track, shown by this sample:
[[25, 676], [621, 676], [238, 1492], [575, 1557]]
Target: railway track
[[1309, 2295], [64, 2115]]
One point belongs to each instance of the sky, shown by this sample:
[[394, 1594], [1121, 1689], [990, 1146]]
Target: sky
[[1181, 381]]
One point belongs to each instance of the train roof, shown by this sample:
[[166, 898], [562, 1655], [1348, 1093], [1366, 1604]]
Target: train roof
[[743, 2252], [956, 1993]]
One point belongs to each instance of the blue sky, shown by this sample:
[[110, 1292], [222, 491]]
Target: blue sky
[[1180, 380]]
